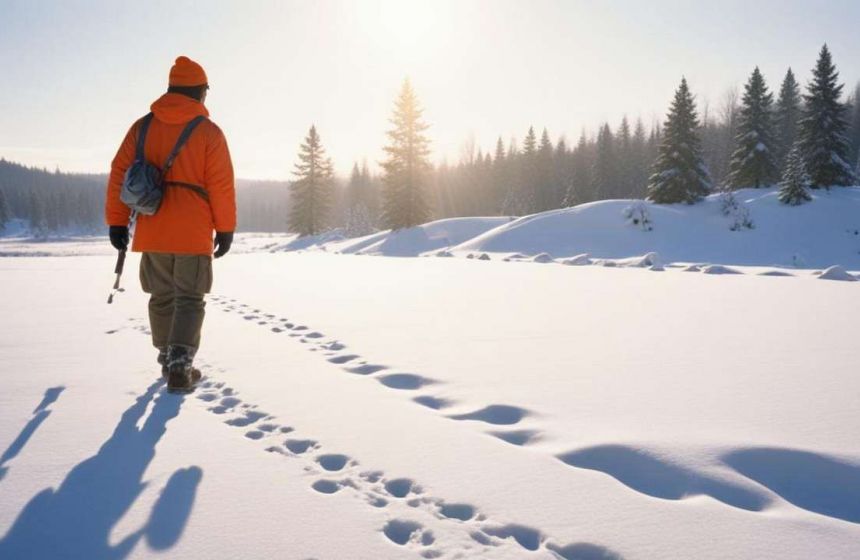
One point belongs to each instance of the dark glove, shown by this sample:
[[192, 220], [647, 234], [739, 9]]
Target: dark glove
[[118, 237], [223, 240]]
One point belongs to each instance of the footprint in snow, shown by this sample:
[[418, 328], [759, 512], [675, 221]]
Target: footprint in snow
[[518, 437], [249, 418], [500, 414], [325, 486], [436, 403], [401, 487], [333, 461], [342, 359], [400, 531], [366, 369], [405, 381], [299, 446]]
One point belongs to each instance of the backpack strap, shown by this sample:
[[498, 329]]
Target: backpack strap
[[186, 133], [196, 188], [141, 135]]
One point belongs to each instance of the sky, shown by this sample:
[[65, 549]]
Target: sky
[[75, 74]]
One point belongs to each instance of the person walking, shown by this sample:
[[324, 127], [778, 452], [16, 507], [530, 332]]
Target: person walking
[[198, 198]]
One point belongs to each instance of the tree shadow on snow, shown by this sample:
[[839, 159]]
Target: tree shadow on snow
[[810, 481], [39, 415], [76, 519], [656, 477]]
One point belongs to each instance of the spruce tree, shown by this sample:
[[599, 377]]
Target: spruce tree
[[520, 197], [787, 116], [855, 127], [625, 160], [680, 174], [311, 191], [605, 173], [794, 179], [639, 161], [406, 166], [823, 129], [4, 211], [752, 163], [544, 181]]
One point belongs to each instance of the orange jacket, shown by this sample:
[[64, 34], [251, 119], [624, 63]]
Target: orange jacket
[[185, 220]]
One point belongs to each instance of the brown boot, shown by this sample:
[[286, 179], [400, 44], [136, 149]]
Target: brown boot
[[181, 375]]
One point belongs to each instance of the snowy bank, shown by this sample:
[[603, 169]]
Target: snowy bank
[[821, 233], [409, 242]]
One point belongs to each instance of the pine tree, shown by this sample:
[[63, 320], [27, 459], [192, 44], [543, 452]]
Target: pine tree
[[639, 161], [794, 180], [544, 180], [311, 191], [823, 128], [625, 160], [579, 190], [36, 214], [680, 174], [787, 115], [604, 176], [404, 202], [752, 163], [855, 128], [519, 199], [4, 211]]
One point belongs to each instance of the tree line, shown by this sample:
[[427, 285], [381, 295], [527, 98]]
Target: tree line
[[800, 140]]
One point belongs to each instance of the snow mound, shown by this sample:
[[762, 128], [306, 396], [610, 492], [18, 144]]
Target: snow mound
[[578, 260], [543, 258], [836, 272], [775, 273], [648, 260], [816, 234], [411, 242], [719, 269], [309, 242]]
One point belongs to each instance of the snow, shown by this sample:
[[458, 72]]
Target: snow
[[404, 408], [414, 241], [819, 234], [836, 272]]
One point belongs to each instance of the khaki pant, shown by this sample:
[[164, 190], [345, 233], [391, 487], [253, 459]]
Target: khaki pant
[[176, 284]]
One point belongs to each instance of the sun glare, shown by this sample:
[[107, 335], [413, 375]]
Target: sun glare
[[407, 29]]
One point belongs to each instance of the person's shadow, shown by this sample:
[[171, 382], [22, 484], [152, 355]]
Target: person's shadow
[[76, 519]]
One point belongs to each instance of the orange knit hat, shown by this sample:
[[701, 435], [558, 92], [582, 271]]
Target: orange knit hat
[[186, 72]]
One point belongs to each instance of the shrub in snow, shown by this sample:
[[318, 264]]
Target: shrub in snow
[[637, 215], [719, 269], [578, 260], [836, 272], [692, 268], [444, 253], [483, 257], [542, 258], [738, 214]]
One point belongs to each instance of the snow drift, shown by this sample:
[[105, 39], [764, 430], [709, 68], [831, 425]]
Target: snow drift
[[821, 233], [412, 241]]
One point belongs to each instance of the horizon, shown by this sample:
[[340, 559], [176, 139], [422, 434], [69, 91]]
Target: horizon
[[479, 74]]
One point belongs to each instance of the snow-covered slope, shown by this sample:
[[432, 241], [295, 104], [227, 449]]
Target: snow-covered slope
[[433, 408], [414, 241], [818, 234]]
